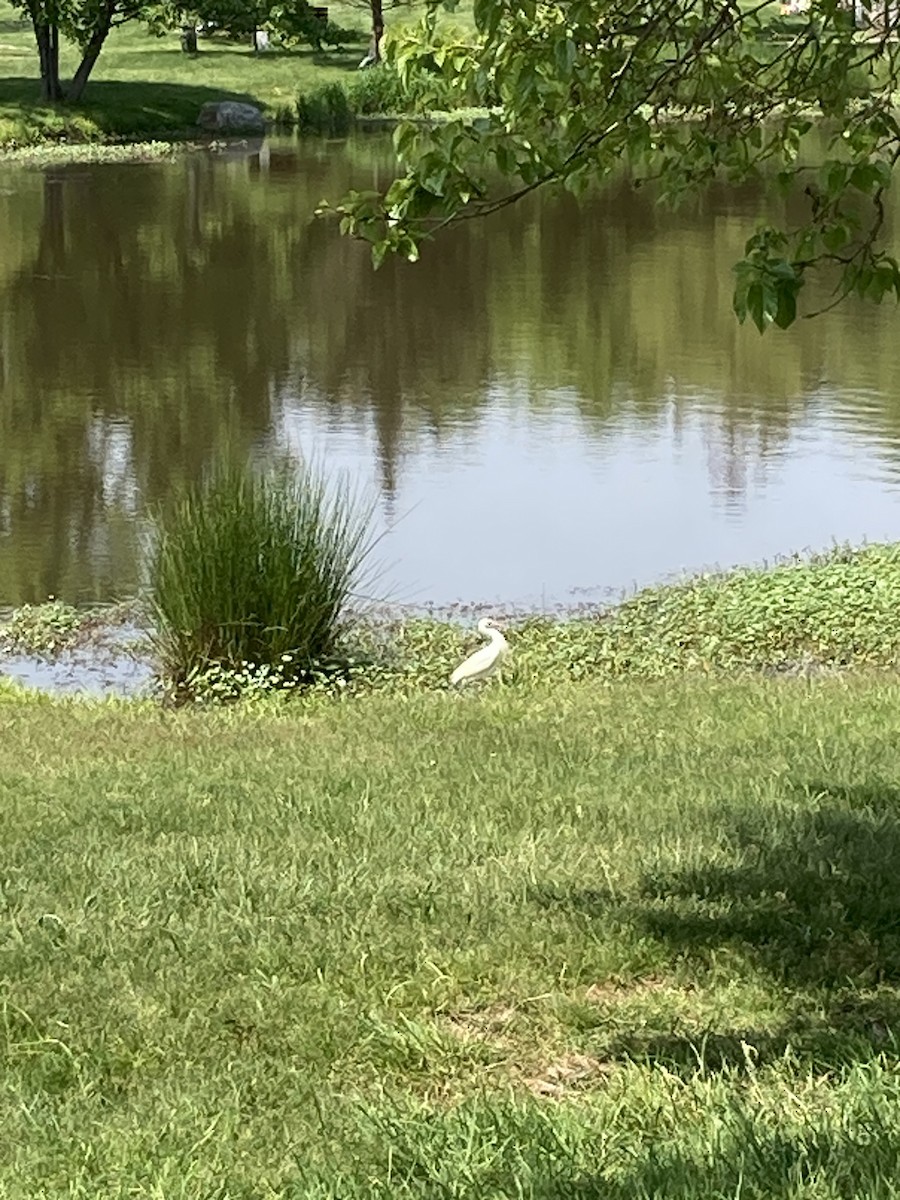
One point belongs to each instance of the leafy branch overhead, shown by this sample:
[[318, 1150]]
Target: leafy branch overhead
[[682, 92]]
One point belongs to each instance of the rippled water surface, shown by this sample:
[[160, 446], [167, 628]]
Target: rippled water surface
[[553, 405]]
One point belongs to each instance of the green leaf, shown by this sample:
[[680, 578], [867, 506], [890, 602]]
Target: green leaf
[[836, 237], [834, 177], [566, 51], [786, 311], [756, 305], [867, 177], [486, 14], [368, 231], [574, 94], [505, 158], [577, 182], [405, 138], [739, 300]]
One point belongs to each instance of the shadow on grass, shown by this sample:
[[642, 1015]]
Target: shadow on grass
[[345, 57], [554, 1154], [121, 107], [853, 1029], [814, 898], [809, 895], [231, 59], [792, 1166], [764, 1168]]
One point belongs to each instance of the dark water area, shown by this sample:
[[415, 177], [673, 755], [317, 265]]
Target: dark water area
[[553, 405]]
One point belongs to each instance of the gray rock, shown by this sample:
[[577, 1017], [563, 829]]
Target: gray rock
[[230, 116]]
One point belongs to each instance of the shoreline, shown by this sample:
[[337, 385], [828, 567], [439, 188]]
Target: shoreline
[[807, 615], [62, 153], [74, 143], [163, 144]]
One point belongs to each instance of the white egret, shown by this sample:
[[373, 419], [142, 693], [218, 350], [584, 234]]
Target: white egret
[[486, 661]]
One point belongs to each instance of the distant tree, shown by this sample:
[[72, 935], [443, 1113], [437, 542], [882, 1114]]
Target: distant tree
[[297, 21], [237, 18], [375, 11], [291, 21], [85, 22], [683, 92]]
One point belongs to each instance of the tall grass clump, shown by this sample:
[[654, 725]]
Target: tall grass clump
[[379, 91], [251, 573], [325, 109], [334, 107]]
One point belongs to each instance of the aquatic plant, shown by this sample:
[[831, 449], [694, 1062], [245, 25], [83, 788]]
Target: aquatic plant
[[802, 615], [325, 109], [42, 630], [333, 107], [252, 570], [51, 154]]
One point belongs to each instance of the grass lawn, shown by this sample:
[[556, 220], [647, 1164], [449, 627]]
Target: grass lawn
[[144, 85], [560, 940]]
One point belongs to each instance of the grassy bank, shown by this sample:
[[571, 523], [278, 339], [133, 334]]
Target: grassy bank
[[628, 927], [803, 615], [144, 86], [559, 941], [806, 615]]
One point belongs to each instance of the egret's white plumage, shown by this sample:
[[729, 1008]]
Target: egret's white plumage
[[486, 661]]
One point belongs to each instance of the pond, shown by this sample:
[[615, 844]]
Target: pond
[[552, 406]]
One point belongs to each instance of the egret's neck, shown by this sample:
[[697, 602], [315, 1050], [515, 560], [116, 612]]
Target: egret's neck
[[495, 636]]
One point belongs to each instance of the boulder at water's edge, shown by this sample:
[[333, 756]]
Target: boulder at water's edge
[[231, 116]]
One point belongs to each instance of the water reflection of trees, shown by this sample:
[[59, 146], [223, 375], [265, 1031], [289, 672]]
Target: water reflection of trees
[[114, 321], [181, 305]]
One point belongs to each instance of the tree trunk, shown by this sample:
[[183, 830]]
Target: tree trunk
[[377, 27], [46, 35], [90, 56]]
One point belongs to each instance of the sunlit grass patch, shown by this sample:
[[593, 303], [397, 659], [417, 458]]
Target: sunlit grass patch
[[43, 153], [145, 87], [566, 940]]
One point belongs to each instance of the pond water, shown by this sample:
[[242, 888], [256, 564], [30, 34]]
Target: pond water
[[552, 406]]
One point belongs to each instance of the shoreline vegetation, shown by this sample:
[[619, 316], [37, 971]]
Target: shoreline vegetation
[[145, 91], [145, 94], [805, 615], [620, 928]]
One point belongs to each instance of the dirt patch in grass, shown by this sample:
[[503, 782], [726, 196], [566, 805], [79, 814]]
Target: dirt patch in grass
[[525, 1059], [567, 1073], [492, 1024], [619, 991]]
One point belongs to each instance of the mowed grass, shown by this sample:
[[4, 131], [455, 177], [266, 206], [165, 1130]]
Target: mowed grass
[[143, 85], [575, 939]]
